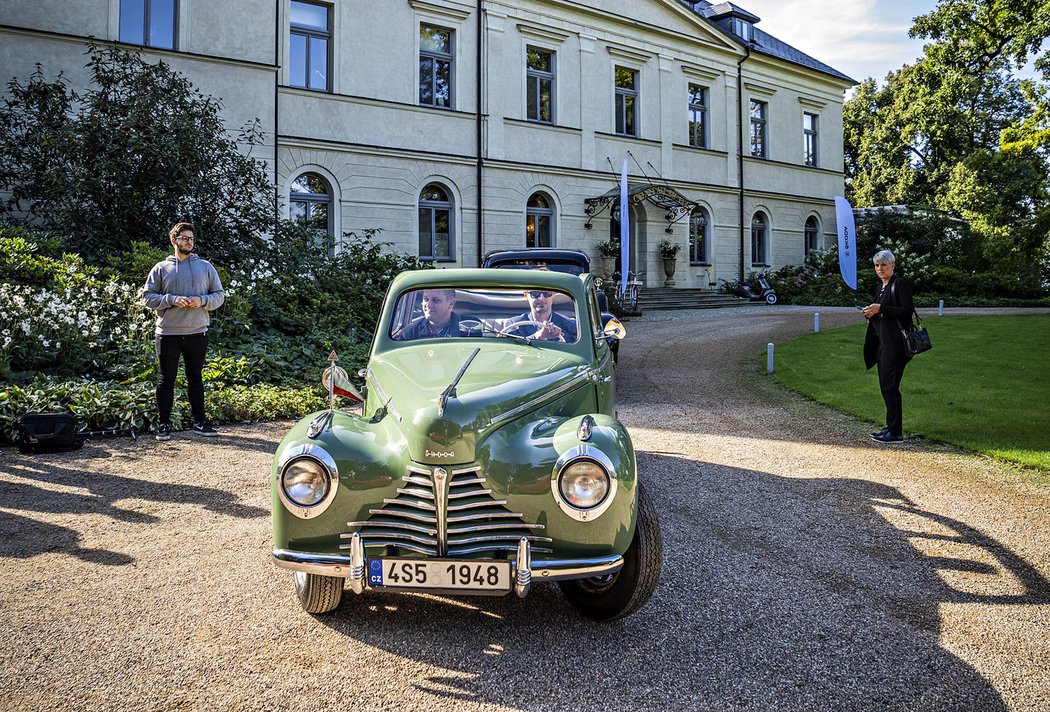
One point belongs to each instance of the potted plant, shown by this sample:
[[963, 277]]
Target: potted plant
[[669, 253], [608, 251]]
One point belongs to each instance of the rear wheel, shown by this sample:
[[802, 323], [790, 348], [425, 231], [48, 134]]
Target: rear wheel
[[606, 598], [318, 594]]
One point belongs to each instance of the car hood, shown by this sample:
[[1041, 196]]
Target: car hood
[[504, 381]]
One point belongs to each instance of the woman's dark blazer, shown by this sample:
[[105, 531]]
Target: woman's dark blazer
[[884, 329]]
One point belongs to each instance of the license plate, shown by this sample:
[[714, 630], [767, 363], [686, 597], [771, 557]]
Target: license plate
[[440, 573]]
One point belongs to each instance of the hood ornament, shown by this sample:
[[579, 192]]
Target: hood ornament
[[450, 392]]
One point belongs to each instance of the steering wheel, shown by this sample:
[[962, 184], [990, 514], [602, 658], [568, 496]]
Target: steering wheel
[[525, 322]]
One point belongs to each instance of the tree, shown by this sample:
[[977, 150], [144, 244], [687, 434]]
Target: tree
[[958, 132], [121, 162]]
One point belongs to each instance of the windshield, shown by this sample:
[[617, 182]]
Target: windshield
[[534, 314]]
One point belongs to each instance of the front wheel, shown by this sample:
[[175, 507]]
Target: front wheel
[[318, 594], [771, 298], [607, 598]]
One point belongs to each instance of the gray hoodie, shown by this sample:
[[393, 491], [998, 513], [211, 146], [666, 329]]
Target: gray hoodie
[[192, 277]]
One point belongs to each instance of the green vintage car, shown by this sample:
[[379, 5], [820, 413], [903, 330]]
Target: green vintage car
[[486, 455]]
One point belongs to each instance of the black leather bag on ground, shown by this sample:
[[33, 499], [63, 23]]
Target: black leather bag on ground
[[47, 432], [916, 338]]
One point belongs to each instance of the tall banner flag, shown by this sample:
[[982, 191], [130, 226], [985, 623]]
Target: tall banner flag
[[847, 241], [625, 230]]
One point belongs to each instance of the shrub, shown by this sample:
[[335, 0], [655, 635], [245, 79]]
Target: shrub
[[125, 159], [102, 405]]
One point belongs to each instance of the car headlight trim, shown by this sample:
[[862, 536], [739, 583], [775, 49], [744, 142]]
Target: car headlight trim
[[584, 482], [307, 480]]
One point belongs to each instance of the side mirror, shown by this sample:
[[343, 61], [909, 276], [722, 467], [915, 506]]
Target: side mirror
[[614, 329]]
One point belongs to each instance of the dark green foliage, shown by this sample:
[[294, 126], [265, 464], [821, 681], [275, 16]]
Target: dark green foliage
[[124, 160], [73, 336], [959, 131]]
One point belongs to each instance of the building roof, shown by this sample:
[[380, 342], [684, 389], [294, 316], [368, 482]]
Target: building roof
[[761, 41]]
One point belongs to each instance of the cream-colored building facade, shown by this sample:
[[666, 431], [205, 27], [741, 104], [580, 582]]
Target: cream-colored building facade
[[389, 115]]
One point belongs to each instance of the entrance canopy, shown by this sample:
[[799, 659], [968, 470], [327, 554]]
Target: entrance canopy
[[662, 196]]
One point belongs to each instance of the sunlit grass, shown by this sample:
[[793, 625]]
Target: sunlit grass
[[984, 386]]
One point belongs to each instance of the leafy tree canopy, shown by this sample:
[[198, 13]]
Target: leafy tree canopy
[[959, 132], [121, 162]]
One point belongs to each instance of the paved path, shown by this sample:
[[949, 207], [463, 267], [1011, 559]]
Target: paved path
[[805, 568]]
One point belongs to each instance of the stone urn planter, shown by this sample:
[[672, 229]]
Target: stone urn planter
[[669, 266], [608, 266]]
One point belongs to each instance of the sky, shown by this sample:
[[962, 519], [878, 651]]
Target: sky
[[860, 38]]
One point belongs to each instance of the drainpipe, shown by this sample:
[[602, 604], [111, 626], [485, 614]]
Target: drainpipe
[[481, 160], [740, 145], [276, 112]]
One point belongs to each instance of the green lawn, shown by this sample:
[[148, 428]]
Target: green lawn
[[984, 386]]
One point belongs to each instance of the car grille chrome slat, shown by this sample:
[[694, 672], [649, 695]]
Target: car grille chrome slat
[[421, 519]]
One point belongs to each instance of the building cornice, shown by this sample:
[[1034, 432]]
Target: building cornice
[[449, 9], [149, 51]]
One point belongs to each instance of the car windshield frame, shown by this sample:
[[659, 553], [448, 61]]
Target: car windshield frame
[[492, 307]]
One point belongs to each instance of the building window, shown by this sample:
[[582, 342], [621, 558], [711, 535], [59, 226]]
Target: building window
[[435, 66], [539, 85], [539, 221], [626, 102], [310, 40], [435, 223], [758, 128], [742, 29], [148, 22], [310, 205], [697, 116], [809, 139], [699, 236], [759, 240], [812, 235]]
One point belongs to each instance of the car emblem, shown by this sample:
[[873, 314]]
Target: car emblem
[[440, 453]]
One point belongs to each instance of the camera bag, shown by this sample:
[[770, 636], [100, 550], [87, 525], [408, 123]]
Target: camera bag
[[47, 432]]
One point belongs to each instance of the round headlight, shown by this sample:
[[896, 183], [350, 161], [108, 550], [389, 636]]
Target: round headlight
[[584, 484], [305, 481]]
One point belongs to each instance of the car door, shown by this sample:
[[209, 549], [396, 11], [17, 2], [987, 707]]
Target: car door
[[604, 368]]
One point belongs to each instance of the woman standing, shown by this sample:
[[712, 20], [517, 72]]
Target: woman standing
[[884, 344]]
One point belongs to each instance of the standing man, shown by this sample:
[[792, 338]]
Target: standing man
[[884, 343], [182, 289]]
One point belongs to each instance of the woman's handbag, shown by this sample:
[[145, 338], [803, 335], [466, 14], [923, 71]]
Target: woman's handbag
[[916, 338]]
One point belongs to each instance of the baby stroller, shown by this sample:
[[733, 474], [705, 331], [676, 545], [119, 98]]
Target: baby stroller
[[758, 292]]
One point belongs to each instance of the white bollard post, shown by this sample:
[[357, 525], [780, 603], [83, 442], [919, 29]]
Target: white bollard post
[[816, 322], [940, 309], [769, 358]]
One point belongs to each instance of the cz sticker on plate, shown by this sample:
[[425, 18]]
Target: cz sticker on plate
[[440, 573]]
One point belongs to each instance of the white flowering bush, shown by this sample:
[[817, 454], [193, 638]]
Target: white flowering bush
[[75, 323]]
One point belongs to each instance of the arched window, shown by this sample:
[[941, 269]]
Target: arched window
[[435, 223], [759, 240], [539, 221], [812, 235], [699, 237], [310, 204]]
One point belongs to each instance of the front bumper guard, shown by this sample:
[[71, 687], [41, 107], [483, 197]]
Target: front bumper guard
[[353, 567]]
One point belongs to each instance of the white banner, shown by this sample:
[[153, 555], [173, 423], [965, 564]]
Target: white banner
[[847, 241], [625, 230]]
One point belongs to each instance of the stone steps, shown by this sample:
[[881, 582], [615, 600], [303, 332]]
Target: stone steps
[[657, 299]]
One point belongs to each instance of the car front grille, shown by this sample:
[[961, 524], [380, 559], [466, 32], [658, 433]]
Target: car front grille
[[443, 512]]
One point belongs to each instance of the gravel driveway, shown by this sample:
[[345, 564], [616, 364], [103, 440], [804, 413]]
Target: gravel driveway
[[805, 568]]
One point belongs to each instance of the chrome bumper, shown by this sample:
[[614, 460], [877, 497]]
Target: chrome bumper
[[523, 575]]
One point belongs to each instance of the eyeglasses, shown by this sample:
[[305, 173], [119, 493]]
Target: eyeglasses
[[184, 238], [537, 295]]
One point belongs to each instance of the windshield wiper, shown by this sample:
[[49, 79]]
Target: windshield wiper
[[450, 392]]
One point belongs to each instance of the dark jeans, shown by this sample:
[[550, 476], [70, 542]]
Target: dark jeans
[[890, 374], [192, 348]]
